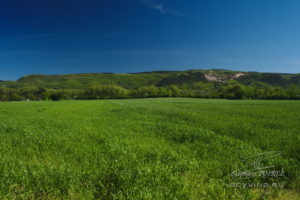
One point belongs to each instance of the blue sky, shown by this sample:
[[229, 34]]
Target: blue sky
[[63, 36]]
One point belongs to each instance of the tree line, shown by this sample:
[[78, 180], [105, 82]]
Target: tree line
[[231, 91]]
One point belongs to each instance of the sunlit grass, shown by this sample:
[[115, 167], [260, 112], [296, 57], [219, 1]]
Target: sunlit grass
[[172, 148]]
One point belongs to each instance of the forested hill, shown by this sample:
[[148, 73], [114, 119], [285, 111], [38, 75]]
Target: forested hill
[[155, 78], [191, 83]]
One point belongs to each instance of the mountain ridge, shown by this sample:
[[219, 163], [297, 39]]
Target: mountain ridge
[[156, 78], [210, 83]]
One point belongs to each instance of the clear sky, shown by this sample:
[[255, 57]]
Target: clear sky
[[76, 36]]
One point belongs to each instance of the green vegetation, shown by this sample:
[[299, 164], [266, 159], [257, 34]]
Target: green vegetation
[[193, 83], [164, 148]]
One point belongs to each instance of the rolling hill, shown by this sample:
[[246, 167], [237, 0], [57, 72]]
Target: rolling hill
[[216, 83], [155, 78]]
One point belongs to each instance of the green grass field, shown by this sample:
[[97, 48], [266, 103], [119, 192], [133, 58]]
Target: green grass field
[[172, 148]]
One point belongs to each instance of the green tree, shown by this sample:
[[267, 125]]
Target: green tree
[[235, 92]]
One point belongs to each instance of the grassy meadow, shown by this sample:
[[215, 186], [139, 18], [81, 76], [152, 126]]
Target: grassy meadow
[[164, 148]]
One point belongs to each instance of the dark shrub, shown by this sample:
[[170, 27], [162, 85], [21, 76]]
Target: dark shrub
[[55, 97]]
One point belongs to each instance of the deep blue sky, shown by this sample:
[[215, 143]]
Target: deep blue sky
[[64, 36]]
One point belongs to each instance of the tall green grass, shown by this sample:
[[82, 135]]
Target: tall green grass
[[171, 148]]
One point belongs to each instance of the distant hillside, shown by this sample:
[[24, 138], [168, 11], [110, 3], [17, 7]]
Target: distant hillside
[[155, 78], [191, 83]]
